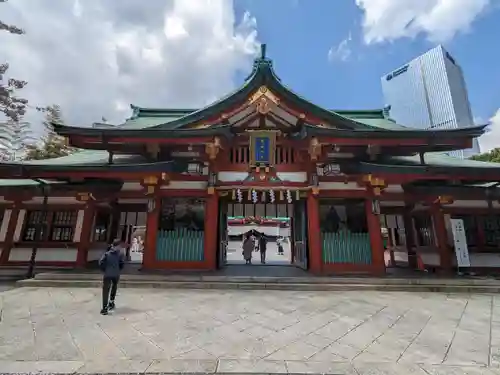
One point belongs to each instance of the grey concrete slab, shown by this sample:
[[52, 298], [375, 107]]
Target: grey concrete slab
[[241, 366], [4, 286], [189, 366], [60, 330], [103, 366], [459, 370], [311, 367], [388, 369], [43, 367]]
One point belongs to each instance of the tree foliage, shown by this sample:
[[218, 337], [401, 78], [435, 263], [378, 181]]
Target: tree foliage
[[52, 145], [12, 106], [492, 156]]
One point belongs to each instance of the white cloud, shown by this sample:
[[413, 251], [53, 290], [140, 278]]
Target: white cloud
[[93, 57], [438, 20], [491, 139], [342, 51]]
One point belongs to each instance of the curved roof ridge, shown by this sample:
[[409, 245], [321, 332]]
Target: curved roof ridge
[[360, 111], [160, 109], [198, 115], [263, 73], [322, 111]]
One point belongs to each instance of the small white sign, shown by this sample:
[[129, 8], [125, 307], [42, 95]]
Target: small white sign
[[460, 242]]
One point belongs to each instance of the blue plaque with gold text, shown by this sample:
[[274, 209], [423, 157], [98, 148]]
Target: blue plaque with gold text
[[262, 150]]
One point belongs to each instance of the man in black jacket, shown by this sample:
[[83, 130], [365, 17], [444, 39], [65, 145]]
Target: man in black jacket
[[262, 247], [111, 264]]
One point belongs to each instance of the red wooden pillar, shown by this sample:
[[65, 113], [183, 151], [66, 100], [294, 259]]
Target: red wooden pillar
[[85, 235], [152, 221], [9, 236], [376, 241], [211, 230], [313, 230], [441, 238]]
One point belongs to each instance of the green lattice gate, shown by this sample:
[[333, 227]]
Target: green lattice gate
[[346, 247], [180, 245]]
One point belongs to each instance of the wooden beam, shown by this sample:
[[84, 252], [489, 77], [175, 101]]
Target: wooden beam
[[297, 113], [280, 122], [245, 120]]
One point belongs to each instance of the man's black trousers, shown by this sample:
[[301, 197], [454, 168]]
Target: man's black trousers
[[109, 283]]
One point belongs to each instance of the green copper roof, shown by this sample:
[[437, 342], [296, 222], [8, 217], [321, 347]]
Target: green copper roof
[[437, 159], [85, 157], [435, 163], [387, 129], [262, 74], [91, 160], [360, 114], [146, 122], [144, 118], [96, 186], [174, 123]]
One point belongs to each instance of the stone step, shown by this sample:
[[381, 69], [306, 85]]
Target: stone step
[[7, 275], [381, 281], [332, 286]]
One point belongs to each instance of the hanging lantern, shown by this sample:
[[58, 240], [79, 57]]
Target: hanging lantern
[[297, 195], [233, 197], [249, 197], [282, 196], [263, 196]]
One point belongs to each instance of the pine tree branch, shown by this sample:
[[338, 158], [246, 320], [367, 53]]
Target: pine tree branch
[[10, 105]]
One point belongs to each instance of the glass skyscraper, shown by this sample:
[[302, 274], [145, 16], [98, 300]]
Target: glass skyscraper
[[429, 92]]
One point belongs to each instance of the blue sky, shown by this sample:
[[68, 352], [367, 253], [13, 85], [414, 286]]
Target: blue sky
[[300, 33]]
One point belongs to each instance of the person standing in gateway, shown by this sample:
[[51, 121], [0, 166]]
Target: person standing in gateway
[[262, 247], [111, 265]]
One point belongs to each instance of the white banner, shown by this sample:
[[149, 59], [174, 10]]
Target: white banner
[[460, 242]]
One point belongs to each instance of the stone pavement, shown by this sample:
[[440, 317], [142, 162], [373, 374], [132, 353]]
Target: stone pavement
[[6, 286], [360, 333]]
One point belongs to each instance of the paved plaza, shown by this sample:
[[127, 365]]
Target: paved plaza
[[60, 330], [234, 255]]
